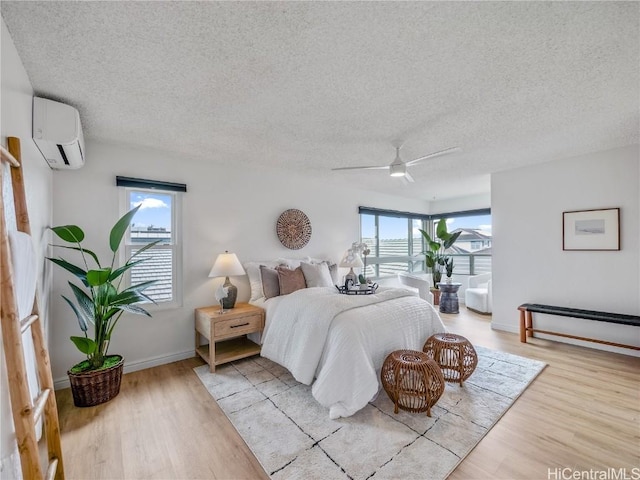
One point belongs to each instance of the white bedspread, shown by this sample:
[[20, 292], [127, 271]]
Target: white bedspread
[[342, 340]]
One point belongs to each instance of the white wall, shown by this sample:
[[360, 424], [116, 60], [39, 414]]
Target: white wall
[[16, 122], [529, 265], [460, 204], [231, 209]]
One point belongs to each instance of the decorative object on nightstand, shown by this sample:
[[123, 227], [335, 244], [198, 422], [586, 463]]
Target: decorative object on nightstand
[[293, 229], [227, 333], [222, 292], [227, 265], [351, 260]]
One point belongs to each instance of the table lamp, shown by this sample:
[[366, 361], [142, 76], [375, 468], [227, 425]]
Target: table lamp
[[351, 260], [226, 265]]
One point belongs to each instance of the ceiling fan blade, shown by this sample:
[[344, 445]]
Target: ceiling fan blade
[[386, 167], [408, 178], [432, 155]]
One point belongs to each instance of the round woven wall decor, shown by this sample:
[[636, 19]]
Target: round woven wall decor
[[293, 229]]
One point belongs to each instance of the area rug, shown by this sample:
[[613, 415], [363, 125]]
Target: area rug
[[293, 438]]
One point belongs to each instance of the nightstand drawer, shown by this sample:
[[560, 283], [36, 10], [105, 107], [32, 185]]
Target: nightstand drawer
[[237, 326]]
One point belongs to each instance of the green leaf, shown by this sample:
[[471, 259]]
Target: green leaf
[[85, 345], [140, 287], [85, 302], [452, 239], [81, 320], [134, 309], [117, 232], [98, 277], [105, 294], [146, 247], [77, 271], [69, 233], [119, 271], [127, 297], [441, 229], [79, 249]]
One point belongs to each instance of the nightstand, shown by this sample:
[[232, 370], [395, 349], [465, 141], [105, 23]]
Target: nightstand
[[226, 333]]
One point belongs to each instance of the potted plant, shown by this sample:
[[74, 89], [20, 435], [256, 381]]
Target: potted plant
[[435, 256], [100, 301], [448, 267]]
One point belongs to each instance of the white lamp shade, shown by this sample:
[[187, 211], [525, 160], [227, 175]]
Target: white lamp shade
[[226, 265], [351, 260]]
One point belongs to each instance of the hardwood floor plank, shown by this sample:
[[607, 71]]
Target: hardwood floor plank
[[582, 412]]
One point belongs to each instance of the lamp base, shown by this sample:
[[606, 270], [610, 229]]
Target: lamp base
[[230, 300]]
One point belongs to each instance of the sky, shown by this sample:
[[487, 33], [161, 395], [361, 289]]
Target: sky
[[155, 209]]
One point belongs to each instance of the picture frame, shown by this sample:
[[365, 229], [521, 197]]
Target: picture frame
[[597, 229]]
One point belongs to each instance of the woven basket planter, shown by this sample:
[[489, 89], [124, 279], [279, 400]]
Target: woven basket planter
[[96, 387], [454, 354], [412, 380]]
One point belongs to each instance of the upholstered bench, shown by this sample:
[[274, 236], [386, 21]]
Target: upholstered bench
[[527, 330]]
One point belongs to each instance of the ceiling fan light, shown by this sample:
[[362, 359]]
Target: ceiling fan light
[[397, 170]]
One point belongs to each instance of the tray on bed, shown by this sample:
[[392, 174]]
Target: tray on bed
[[357, 291]]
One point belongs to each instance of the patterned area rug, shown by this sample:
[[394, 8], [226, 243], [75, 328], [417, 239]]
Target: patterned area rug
[[293, 437]]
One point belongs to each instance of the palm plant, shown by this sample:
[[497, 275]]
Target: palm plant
[[102, 301], [435, 255]]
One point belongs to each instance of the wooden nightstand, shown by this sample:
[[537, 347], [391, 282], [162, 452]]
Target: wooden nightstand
[[226, 333]]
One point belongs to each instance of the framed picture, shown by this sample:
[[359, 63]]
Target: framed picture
[[591, 229]]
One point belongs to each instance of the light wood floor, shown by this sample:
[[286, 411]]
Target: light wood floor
[[582, 412]]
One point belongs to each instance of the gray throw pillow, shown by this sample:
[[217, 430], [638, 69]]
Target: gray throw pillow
[[270, 282]]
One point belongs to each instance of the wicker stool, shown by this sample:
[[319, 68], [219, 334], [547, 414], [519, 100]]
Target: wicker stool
[[413, 381], [454, 354]]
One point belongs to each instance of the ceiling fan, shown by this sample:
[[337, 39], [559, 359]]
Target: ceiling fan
[[398, 168]]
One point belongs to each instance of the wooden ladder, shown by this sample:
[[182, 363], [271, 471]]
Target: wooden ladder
[[25, 412]]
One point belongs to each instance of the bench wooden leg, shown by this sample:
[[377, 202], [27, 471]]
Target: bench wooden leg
[[523, 328], [529, 324]]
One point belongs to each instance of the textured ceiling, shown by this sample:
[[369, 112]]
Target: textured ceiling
[[309, 86]]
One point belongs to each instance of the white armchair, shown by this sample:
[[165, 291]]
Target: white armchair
[[418, 282], [477, 296]]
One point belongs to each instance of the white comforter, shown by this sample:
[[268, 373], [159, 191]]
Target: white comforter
[[342, 340]]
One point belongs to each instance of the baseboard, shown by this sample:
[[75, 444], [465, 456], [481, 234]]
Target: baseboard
[[61, 383], [506, 327], [569, 341]]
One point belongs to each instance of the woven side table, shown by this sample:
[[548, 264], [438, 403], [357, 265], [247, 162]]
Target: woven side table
[[454, 354], [413, 381]]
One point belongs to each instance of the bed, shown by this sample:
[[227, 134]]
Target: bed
[[337, 343]]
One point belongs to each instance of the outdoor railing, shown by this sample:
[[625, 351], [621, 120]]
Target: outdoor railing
[[464, 264]]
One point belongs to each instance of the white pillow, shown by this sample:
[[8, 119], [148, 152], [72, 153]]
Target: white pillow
[[316, 275], [333, 268]]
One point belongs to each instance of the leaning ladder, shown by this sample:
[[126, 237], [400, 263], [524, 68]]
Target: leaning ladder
[[25, 412]]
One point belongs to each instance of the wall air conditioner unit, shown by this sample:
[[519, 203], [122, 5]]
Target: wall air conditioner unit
[[58, 133]]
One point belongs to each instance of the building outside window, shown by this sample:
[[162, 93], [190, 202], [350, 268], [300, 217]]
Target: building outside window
[[157, 220], [472, 251]]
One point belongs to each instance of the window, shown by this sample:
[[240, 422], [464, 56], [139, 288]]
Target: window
[[158, 219], [395, 241], [397, 245]]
